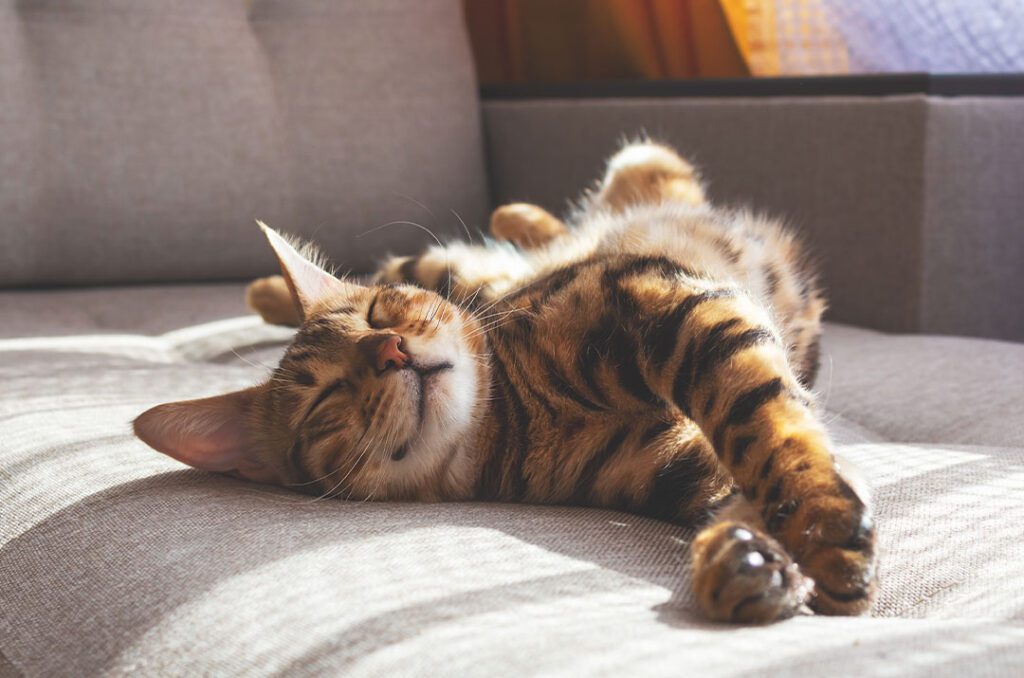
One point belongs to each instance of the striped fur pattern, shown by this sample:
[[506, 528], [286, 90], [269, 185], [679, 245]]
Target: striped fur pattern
[[652, 355]]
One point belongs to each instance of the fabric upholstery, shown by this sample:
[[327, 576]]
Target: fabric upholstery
[[139, 139], [975, 239], [910, 203], [115, 560]]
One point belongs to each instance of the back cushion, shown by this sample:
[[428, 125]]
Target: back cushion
[[139, 139]]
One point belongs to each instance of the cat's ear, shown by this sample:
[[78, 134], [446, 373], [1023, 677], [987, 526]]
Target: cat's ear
[[307, 281], [212, 434]]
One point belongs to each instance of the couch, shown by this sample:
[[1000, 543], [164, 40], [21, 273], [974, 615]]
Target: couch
[[138, 140]]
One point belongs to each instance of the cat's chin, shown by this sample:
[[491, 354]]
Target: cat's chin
[[440, 405], [444, 402]]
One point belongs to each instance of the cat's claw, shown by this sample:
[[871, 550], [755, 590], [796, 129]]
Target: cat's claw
[[742, 575]]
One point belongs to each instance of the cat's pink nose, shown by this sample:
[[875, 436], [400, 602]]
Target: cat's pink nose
[[387, 353]]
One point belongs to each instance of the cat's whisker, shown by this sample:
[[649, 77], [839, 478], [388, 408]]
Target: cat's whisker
[[418, 204], [828, 384], [250, 362], [321, 478], [435, 306], [405, 222], [465, 294], [486, 314], [369, 440], [383, 407], [494, 302], [399, 222], [465, 228], [468, 299], [371, 443], [492, 326], [387, 440], [336, 488], [505, 297], [339, 467], [482, 314], [504, 314]]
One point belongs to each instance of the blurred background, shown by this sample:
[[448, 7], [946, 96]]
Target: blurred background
[[525, 41], [140, 139]]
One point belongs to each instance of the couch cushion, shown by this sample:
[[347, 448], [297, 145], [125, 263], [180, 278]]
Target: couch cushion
[[926, 389], [115, 559], [139, 139], [906, 201]]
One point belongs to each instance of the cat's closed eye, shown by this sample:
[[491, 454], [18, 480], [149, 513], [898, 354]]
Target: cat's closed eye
[[334, 387], [373, 317]]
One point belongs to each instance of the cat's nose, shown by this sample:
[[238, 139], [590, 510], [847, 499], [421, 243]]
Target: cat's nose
[[385, 352]]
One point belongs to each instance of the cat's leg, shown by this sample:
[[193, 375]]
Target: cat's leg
[[714, 354], [460, 271], [271, 298], [646, 173], [526, 225], [740, 573]]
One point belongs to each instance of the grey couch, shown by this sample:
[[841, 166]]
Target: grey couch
[[139, 139]]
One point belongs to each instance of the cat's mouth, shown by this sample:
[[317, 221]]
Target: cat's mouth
[[425, 375], [428, 370]]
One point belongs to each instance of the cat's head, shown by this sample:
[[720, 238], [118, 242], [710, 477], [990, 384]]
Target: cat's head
[[373, 397]]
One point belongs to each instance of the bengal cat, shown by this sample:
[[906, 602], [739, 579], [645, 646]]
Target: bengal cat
[[653, 355]]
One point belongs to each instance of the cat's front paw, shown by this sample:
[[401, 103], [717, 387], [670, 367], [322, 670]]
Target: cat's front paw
[[527, 226], [743, 575], [832, 536]]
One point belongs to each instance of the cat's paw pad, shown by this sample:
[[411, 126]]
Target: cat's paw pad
[[745, 576]]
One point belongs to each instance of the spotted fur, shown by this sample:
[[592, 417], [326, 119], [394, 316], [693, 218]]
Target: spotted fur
[[653, 355]]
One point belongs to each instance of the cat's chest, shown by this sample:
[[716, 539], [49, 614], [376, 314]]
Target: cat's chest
[[552, 456]]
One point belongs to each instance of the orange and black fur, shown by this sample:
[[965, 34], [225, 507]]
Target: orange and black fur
[[653, 356]]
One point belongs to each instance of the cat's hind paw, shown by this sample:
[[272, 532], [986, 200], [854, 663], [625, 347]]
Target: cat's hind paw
[[271, 298], [825, 521], [742, 575], [841, 558], [649, 173]]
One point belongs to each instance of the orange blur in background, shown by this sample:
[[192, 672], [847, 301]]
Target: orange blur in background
[[518, 41]]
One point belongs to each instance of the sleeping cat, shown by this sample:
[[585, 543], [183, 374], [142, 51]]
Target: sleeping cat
[[652, 356]]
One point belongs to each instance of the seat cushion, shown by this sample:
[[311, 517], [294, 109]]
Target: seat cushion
[[115, 559], [140, 139]]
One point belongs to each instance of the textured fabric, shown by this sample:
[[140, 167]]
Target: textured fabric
[[975, 242], [117, 310], [115, 560], [926, 389], [910, 203], [139, 139]]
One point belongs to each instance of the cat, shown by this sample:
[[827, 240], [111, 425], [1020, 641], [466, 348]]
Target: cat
[[654, 355]]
